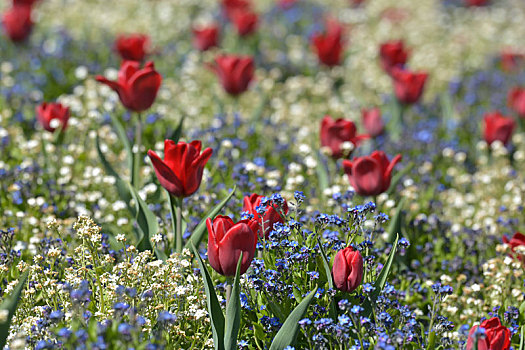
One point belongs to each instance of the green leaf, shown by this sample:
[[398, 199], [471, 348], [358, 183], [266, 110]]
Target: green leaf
[[10, 304], [395, 225], [328, 272], [175, 135], [214, 308], [522, 338], [233, 312], [322, 174], [290, 328], [198, 233], [123, 137], [380, 282], [397, 177]]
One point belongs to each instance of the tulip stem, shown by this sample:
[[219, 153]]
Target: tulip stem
[[176, 220], [135, 171], [228, 289]]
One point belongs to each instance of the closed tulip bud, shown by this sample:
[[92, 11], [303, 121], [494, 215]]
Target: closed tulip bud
[[494, 336], [476, 2], [17, 22], [180, 173], [518, 240], [230, 7], [52, 116], [132, 47], [516, 100], [226, 241], [336, 132], [329, 45], [268, 219], [372, 121], [245, 22], [24, 2], [234, 72], [511, 60], [393, 54], [205, 38], [137, 88], [408, 86], [347, 270], [498, 128], [370, 175]]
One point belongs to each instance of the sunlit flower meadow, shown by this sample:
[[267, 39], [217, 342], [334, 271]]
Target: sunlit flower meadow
[[262, 174]]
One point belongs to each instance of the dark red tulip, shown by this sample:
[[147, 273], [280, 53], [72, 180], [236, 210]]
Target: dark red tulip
[[372, 121], [180, 173], [498, 128], [516, 100], [206, 37], [476, 2], [17, 22], [497, 336], [226, 241], [408, 86], [393, 54], [329, 45], [132, 47], [335, 132], [52, 116], [137, 88], [270, 217], [234, 72], [518, 240], [24, 2], [230, 7], [245, 22], [370, 175], [286, 4], [511, 60], [347, 270]]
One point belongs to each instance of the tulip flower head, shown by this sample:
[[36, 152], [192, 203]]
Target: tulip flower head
[[335, 133], [245, 22], [498, 128], [230, 7], [206, 37], [137, 88], [132, 47], [393, 54], [52, 116], [329, 45], [494, 336], [270, 216], [180, 173], [234, 72], [516, 100], [476, 3], [372, 121], [347, 270], [511, 60], [517, 245], [370, 175], [408, 86], [226, 241], [17, 22]]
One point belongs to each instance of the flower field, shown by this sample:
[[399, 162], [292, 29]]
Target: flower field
[[262, 174]]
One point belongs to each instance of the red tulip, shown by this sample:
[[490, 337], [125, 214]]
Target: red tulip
[[335, 132], [226, 241], [497, 336], [132, 47], [24, 2], [476, 2], [52, 115], [17, 22], [356, 2], [286, 4], [511, 60], [137, 88], [348, 269], [408, 86], [245, 22], [516, 100], [206, 38], [393, 54], [180, 173], [270, 217], [498, 128], [234, 72], [372, 121], [518, 240], [229, 7], [370, 175], [329, 46]]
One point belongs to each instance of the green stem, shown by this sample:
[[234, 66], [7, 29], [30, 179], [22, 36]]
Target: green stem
[[135, 172], [228, 289], [176, 220]]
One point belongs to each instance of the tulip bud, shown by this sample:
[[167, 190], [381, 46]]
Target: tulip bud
[[335, 132], [268, 218], [347, 270], [518, 240], [498, 128], [205, 38], [329, 45], [17, 22], [52, 115], [245, 22], [516, 100], [496, 336], [234, 72], [132, 47], [392, 54], [408, 86], [372, 121]]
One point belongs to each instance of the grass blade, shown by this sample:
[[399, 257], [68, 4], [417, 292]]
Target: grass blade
[[10, 304]]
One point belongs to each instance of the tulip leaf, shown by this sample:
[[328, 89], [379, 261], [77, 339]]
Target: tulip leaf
[[290, 328], [10, 304], [397, 177], [380, 282], [214, 308], [395, 225], [522, 338], [233, 312], [198, 232], [175, 136], [123, 137], [328, 272]]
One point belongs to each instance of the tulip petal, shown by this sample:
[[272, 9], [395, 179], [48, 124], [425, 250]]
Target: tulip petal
[[166, 176], [239, 238]]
